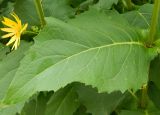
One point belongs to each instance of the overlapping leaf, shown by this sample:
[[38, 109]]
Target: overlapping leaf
[[63, 102], [26, 10], [142, 17], [60, 9], [37, 104], [98, 103], [105, 4]]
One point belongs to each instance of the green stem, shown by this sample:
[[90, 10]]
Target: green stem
[[30, 33], [144, 97], [128, 4], [154, 22], [40, 12]]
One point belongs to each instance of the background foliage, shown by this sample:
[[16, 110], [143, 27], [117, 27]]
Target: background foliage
[[91, 58]]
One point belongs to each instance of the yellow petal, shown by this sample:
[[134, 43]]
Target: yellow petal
[[8, 35], [15, 44], [8, 22], [15, 16], [17, 19], [11, 40], [14, 30], [8, 29], [24, 28]]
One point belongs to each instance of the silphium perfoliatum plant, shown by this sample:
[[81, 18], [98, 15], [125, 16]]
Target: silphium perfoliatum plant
[[80, 57]]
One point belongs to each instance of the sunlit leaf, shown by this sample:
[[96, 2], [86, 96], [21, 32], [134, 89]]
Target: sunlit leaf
[[93, 49]]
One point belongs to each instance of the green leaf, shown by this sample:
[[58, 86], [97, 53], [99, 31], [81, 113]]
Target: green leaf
[[142, 17], [8, 66], [85, 50], [127, 112], [154, 71], [98, 103], [3, 51], [37, 104], [26, 10], [60, 9], [1, 1], [11, 110], [150, 110], [63, 102], [6, 7], [105, 4], [154, 94], [81, 111]]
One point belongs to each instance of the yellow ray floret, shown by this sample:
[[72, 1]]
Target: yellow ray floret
[[14, 30]]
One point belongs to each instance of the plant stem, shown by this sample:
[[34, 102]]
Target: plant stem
[[30, 32], [40, 12], [128, 4], [154, 22], [144, 97]]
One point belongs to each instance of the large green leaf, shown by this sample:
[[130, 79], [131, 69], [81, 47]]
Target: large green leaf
[[93, 49], [8, 66]]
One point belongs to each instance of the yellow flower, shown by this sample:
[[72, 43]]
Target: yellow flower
[[14, 30]]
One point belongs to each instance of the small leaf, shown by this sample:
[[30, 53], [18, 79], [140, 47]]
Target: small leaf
[[154, 94], [37, 104], [142, 17], [154, 71], [60, 9], [63, 102], [105, 4], [98, 103], [126, 112], [26, 10]]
